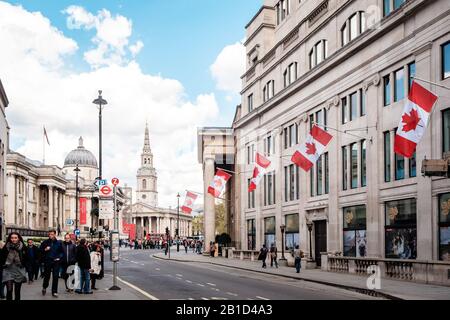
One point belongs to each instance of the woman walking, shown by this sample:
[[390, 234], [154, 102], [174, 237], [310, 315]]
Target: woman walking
[[263, 255], [13, 258], [96, 265]]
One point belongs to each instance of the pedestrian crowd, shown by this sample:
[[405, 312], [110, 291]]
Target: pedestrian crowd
[[80, 263], [296, 253]]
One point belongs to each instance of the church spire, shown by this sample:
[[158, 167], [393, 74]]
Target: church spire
[[146, 149]]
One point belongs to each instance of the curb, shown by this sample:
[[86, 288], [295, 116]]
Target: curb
[[369, 292]]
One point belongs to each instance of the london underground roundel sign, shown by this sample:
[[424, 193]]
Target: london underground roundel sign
[[106, 190]]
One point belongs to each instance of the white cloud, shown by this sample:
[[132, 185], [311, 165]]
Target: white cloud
[[136, 48], [112, 35], [42, 91], [229, 67]]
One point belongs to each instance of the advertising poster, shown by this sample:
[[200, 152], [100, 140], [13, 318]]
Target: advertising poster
[[83, 213], [401, 243]]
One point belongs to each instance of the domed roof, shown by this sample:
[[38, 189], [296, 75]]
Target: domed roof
[[80, 156]]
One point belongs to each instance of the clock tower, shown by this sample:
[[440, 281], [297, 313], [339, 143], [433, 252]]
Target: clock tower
[[147, 180]]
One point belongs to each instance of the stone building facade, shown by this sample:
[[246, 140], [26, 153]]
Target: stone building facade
[[4, 145], [347, 66]]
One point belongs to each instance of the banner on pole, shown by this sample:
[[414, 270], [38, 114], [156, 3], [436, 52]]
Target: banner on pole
[[83, 213]]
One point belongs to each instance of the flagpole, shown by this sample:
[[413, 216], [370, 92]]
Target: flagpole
[[430, 82], [227, 170], [344, 132], [43, 145], [202, 194]]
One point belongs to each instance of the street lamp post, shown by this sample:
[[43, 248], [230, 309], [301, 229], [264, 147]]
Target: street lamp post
[[77, 170], [100, 102], [282, 227], [178, 223], [310, 225]]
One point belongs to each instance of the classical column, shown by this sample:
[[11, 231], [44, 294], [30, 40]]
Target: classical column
[[37, 222], [50, 206], [150, 225], [209, 203]]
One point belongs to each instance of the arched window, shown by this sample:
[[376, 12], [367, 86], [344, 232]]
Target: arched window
[[318, 53], [353, 27], [144, 184], [290, 74]]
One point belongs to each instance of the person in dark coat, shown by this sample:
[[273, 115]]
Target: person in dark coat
[[34, 258], [263, 255], [69, 258], [13, 259], [273, 255], [52, 254], [83, 259]]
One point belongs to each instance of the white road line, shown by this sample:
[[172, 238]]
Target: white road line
[[142, 264], [157, 269], [180, 275], [232, 294], [148, 295], [190, 298], [179, 278], [262, 298], [169, 275], [211, 284], [201, 285], [188, 281], [218, 298], [205, 298]]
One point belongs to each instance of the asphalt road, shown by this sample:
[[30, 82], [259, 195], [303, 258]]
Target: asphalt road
[[171, 280]]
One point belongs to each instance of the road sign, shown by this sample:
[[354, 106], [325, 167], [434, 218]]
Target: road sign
[[106, 209], [106, 191], [102, 182], [77, 232], [115, 181], [69, 222]]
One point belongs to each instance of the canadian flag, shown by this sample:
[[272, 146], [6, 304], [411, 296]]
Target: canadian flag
[[309, 152], [219, 182], [262, 164], [414, 120], [189, 202]]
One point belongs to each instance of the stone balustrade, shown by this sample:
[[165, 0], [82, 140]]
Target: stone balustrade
[[431, 272]]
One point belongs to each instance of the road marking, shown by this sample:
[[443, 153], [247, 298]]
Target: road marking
[[218, 298], [179, 278], [190, 298], [157, 269], [262, 298], [148, 295], [169, 275], [180, 275], [188, 281], [205, 298], [201, 285], [211, 284], [232, 294]]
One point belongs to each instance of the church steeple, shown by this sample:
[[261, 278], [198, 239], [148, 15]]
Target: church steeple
[[147, 156]]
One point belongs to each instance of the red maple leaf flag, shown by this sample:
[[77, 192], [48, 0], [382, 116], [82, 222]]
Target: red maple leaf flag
[[414, 120], [189, 202], [262, 163], [218, 184], [309, 152]]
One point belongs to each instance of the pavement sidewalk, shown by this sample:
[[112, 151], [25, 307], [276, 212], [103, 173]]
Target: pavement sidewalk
[[391, 289], [33, 292]]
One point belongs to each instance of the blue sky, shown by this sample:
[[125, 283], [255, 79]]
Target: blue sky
[[182, 38]]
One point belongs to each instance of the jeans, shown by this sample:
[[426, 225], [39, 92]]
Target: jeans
[[264, 263], [272, 260], [298, 264], [51, 268], [85, 281], [33, 271]]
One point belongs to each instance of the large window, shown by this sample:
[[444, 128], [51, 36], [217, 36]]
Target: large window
[[251, 234], [387, 156], [353, 27], [344, 110], [250, 153], [319, 175], [344, 168], [355, 241], [401, 229], [291, 183], [362, 102], [283, 10], [390, 5], [269, 144], [251, 197], [354, 165], [399, 167], [446, 61], [269, 188], [444, 227], [292, 237], [318, 53], [411, 74], [290, 135], [446, 130], [269, 231], [353, 106], [399, 86], [290, 74], [387, 90], [398, 3], [413, 166], [363, 163], [327, 174], [269, 90]]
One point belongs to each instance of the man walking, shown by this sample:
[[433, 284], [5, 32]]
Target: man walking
[[32, 261], [298, 255], [52, 253], [263, 255], [68, 258], [273, 256], [83, 258]]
